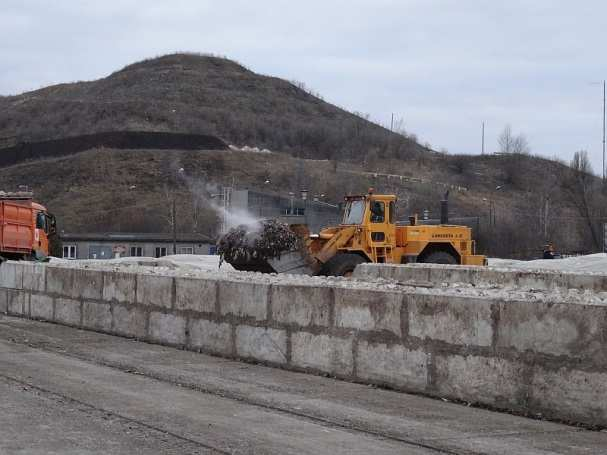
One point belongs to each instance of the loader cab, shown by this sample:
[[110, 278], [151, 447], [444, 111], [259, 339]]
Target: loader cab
[[369, 210], [374, 217]]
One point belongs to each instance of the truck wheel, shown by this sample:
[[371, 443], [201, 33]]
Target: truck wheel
[[342, 264], [440, 257]]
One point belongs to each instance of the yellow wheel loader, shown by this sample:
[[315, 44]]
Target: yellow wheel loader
[[369, 233]]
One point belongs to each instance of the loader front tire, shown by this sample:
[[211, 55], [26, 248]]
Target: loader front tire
[[342, 264]]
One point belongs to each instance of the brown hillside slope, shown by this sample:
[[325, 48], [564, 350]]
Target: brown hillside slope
[[131, 190]]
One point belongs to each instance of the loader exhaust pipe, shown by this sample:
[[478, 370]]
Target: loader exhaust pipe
[[444, 209]]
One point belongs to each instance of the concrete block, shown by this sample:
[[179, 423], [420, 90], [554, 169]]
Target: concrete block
[[397, 272], [301, 305], [575, 330], [11, 275], [60, 280], [74, 283], [574, 395], [34, 277], [97, 316], [490, 277], [17, 302], [130, 321], [454, 320], [155, 290], [67, 311], [322, 352], [393, 365], [41, 306], [451, 274], [244, 299], [489, 380], [596, 283], [88, 284], [262, 344], [367, 271], [167, 328], [119, 287], [529, 280], [211, 336], [368, 310], [195, 294], [407, 273]]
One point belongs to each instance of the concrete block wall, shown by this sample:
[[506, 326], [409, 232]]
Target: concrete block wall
[[482, 276], [547, 359]]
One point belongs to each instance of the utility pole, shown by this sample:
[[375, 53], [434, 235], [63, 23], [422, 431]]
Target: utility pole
[[546, 218], [483, 139]]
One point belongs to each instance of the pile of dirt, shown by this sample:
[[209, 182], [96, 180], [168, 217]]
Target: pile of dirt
[[264, 240]]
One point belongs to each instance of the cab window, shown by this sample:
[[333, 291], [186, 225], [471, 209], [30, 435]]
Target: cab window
[[354, 212], [40, 221], [391, 214], [378, 212]]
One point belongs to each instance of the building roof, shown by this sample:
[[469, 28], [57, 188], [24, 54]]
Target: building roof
[[298, 201], [136, 237]]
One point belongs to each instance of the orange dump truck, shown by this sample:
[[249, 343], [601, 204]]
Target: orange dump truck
[[25, 227]]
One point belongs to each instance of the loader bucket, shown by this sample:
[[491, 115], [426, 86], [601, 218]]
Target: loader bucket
[[292, 262]]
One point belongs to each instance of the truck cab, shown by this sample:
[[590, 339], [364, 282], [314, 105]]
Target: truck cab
[[45, 226], [25, 227]]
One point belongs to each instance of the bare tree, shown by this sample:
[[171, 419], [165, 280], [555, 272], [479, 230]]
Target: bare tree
[[521, 146], [513, 147], [580, 187], [580, 163], [511, 144], [506, 140]]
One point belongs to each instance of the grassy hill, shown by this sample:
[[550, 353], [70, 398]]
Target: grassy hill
[[520, 201], [192, 94]]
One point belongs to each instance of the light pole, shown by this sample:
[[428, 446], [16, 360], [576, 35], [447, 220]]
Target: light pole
[[603, 129], [597, 83]]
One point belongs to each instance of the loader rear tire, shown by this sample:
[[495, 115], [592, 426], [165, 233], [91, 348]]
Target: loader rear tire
[[440, 257], [342, 264]]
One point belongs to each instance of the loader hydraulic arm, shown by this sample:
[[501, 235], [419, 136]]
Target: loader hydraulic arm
[[337, 241]]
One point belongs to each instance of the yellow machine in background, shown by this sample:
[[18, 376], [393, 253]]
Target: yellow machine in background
[[369, 233]]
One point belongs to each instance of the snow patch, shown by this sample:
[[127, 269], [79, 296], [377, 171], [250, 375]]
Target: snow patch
[[592, 263]]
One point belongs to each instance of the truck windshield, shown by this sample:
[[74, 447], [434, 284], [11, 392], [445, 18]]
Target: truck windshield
[[354, 212]]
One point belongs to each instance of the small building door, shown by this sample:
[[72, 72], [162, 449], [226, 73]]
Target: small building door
[[100, 252]]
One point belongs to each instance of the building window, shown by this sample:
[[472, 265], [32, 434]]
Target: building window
[[137, 251], [69, 251], [186, 250], [295, 211], [160, 251]]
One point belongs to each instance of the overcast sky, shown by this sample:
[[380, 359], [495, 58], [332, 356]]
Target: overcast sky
[[444, 66]]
